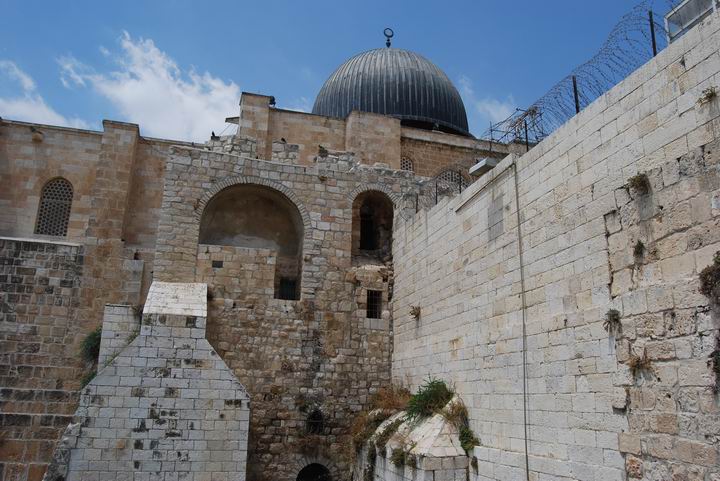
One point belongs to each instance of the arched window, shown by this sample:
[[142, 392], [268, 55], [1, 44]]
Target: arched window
[[315, 423], [372, 224], [54, 209], [406, 164], [451, 180]]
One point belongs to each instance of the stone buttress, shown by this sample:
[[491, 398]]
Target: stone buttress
[[165, 408]]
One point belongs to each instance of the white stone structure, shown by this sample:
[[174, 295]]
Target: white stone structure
[[165, 408], [515, 277]]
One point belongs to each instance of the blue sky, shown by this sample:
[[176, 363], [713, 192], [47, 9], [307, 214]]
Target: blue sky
[[177, 67]]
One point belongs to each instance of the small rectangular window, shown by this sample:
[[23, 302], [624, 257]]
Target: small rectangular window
[[374, 304], [287, 289], [217, 264]]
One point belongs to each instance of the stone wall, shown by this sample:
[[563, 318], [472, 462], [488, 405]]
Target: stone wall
[[373, 138], [165, 408], [320, 352], [39, 361], [518, 327]]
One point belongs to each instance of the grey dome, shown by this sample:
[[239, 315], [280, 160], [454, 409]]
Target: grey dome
[[397, 83]]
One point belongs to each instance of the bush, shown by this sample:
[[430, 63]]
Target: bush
[[612, 321], [639, 364], [398, 457], [639, 249], [90, 347], [710, 280], [87, 377], [457, 415], [468, 440], [430, 398], [382, 438], [365, 425], [639, 183], [393, 398]]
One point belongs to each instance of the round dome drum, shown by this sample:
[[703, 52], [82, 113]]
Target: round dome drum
[[397, 83]]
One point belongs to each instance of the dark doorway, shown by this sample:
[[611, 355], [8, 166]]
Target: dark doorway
[[372, 221], [314, 472]]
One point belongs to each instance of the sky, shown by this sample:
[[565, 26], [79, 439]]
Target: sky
[[178, 67]]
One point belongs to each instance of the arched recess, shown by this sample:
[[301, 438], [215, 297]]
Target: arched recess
[[314, 472], [53, 215], [372, 224], [260, 217]]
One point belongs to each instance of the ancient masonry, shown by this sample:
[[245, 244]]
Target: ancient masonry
[[255, 291], [611, 218], [165, 407]]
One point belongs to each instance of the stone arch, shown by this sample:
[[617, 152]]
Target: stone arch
[[250, 179], [300, 462], [314, 472], [394, 196], [253, 213]]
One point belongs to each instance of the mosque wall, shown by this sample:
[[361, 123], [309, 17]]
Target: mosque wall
[[617, 210], [32, 155], [373, 138]]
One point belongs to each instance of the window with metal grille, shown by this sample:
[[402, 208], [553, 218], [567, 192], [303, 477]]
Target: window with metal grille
[[374, 304], [406, 164], [315, 423], [54, 209], [287, 289], [450, 178]]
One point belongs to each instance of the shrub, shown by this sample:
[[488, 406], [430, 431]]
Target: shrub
[[382, 438], [639, 249], [393, 398], [371, 455], [468, 440], [710, 280], [87, 377], [90, 346], [714, 363], [639, 364], [708, 95], [430, 398], [612, 322], [410, 460], [365, 425], [457, 415], [639, 183], [398, 457]]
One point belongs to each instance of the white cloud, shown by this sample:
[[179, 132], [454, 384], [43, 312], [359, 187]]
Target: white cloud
[[301, 104], [149, 88], [483, 111], [29, 105]]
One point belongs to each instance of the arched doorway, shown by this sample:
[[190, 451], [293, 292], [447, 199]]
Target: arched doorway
[[255, 216], [372, 224], [314, 472]]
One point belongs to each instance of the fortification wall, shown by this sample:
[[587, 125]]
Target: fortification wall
[[516, 324], [39, 364]]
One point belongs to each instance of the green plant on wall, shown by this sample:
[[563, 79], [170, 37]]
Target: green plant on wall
[[432, 396], [710, 280], [90, 346], [612, 322], [639, 183]]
